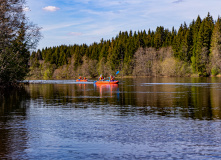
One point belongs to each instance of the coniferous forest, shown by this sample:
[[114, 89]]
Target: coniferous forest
[[192, 50]]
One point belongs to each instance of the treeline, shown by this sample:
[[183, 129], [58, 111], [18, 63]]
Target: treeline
[[194, 49]]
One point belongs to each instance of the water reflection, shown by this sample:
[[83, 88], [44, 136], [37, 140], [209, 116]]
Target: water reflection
[[196, 98], [145, 118], [108, 89], [13, 139]]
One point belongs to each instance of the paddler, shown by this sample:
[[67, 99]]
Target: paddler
[[101, 78], [111, 78]]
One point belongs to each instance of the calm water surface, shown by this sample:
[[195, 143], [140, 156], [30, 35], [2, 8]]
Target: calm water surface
[[145, 118]]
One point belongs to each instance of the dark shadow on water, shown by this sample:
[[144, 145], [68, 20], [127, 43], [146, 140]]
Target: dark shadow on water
[[13, 99], [13, 105]]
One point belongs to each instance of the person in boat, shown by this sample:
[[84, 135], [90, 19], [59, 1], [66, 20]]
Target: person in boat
[[80, 78], [111, 78], [101, 78], [85, 78]]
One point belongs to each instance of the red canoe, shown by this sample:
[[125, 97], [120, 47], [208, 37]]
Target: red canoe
[[107, 82], [81, 80]]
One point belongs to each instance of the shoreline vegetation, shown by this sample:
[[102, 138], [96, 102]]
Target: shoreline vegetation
[[116, 77], [17, 37], [192, 51]]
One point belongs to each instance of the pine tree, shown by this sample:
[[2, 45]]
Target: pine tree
[[159, 37], [203, 45], [216, 48], [196, 27]]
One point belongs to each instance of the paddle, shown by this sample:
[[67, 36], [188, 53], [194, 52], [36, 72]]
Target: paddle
[[116, 74]]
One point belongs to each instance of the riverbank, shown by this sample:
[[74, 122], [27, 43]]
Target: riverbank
[[119, 76]]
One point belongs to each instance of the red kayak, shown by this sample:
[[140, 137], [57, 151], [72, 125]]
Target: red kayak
[[107, 82], [81, 80]]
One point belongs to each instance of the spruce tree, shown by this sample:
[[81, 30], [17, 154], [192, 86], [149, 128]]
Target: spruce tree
[[216, 48], [196, 26], [203, 45]]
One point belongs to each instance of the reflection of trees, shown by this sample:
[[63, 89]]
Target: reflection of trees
[[13, 99], [190, 101], [155, 99], [201, 102], [69, 94], [195, 101], [13, 137], [215, 95]]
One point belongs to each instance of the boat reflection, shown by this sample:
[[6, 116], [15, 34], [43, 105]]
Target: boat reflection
[[82, 86], [107, 89]]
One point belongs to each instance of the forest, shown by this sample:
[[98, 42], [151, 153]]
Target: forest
[[192, 50]]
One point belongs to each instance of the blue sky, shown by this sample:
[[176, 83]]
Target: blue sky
[[86, 21]]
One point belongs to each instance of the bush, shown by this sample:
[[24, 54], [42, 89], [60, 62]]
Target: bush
[[215, 71]]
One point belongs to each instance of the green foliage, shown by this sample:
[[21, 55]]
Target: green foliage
[[215, 71], [17, 37], [197, 45], [47, 74], [215, 49]]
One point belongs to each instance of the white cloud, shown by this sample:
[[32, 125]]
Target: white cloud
[[51, 8], [26, 9]]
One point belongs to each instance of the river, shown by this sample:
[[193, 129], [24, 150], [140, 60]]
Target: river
[[140, 118]]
